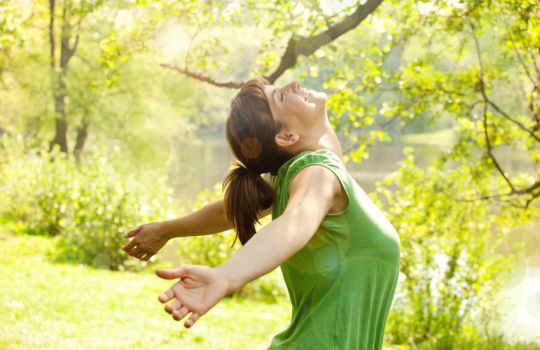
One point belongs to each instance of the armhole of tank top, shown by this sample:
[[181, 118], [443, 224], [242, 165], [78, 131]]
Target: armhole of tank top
[[337, 169], [272, 180]]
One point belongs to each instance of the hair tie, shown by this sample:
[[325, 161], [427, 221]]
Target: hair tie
[[250, 172]]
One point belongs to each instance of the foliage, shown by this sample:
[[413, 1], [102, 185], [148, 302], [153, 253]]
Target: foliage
[[451, 259], [476, 66], [113, 80], [416, 64], [214, 250], [88, 206], [9, 35]]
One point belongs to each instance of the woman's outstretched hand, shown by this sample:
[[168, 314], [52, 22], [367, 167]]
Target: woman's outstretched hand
[[200, 288], [149, 239]]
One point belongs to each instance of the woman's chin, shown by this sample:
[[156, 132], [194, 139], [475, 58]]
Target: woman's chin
[[320, 100], [316, 98], [317, 95]]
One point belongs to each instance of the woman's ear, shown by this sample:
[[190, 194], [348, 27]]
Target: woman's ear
[[286, 138]]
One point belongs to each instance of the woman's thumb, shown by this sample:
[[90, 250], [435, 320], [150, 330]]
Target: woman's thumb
[[133, 232], [169, 274]]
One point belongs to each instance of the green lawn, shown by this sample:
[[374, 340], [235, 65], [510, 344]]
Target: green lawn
[[44, 305], [55, 306]]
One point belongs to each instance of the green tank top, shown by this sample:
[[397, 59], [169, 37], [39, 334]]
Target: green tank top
[[342, 282]]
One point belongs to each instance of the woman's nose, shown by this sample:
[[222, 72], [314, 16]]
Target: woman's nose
[[295, 85]]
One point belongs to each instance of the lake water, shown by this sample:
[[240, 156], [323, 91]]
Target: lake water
[[198, 165], [201, 164]]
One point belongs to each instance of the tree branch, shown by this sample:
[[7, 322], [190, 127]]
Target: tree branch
[[307, 46], [508, 198], [520, 125], [52, 42], [531, 190], [297, 46], [533, 58], [200, 77], [486, 102], [521, 61], [490, 151], [483, 91], [73, 48]]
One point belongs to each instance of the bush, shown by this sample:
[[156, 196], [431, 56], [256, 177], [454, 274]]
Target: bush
[[453, 262], [88, 207]]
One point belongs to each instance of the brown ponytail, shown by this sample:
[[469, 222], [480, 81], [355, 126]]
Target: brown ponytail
[[246, 194], [250, 132]]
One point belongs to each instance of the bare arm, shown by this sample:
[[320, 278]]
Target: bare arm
[[311, 196], [207, 220], [149, 238]]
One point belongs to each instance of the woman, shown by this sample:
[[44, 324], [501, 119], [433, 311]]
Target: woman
[[338, 253]]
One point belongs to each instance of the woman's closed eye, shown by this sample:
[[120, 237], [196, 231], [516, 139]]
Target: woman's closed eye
[[281, 97]]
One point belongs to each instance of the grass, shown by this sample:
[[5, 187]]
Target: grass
[[46, 305]]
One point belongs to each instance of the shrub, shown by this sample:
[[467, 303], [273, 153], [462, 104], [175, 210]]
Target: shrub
[[87, 206], [453, 263]]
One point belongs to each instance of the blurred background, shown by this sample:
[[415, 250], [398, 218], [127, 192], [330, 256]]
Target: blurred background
[[112, 114]]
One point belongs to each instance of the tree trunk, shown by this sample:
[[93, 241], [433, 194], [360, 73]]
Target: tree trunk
[[82, 133], [59, 87], [59, 95]]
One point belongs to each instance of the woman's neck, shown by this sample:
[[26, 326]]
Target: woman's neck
[[322, 137]]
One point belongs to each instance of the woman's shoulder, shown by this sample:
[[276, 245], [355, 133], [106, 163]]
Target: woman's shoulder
[[323, 156]]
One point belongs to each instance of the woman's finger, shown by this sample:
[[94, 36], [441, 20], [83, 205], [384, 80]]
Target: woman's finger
[[172, 306], [166, 295], [133, 232], [180, 314], [149, 256], [136, 251], [140, 256], [192, 319], [145, 256], [179, 272], [129, 246]]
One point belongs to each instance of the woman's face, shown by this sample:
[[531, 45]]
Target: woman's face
[[295, 106]]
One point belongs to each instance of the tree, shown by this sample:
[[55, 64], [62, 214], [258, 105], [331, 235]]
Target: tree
[[473, 90], [422, 86], [298, 45], [98, 76], [72, 16]]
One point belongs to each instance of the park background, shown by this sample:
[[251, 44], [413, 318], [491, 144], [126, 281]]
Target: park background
[[112, 115]]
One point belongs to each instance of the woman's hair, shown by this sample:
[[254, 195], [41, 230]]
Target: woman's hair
[[250, 134]]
